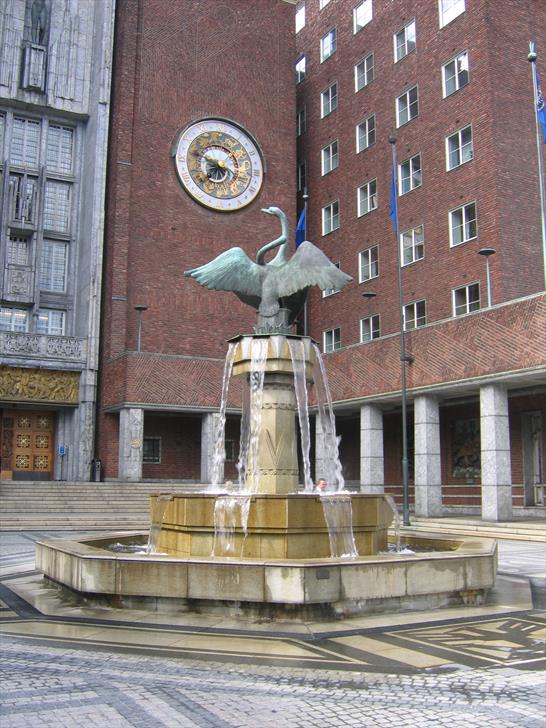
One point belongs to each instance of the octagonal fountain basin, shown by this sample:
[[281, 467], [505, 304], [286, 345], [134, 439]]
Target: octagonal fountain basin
[[458, 571]]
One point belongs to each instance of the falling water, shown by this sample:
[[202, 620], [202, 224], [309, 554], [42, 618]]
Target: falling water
[[397, 521], [158, 513], [249, 455], [219, 456], [297, 355], [338, 514], [229, 512]]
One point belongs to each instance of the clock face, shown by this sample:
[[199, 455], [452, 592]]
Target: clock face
[[219, 165]]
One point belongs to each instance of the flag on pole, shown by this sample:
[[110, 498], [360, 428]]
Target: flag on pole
[[393, 213], [300, 229], [541, 109]]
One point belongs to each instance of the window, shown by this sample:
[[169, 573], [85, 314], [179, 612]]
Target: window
[[13, 319], [330, 291], [328, 100], [300, 69], [463, 224], [407, 106], [53, 266], [300, 17], [25, 142], [50, 322], [364, 72], [331, 340], [23, 195], [18, 250], [365, 133], [302, 176], [330, 218], [449, 10], [459, 149], [404, 41], [60, 141], [57, 206], [412, 245], [367, 197], [300, 122], [368, 264], [415, 315], [229, 446], [328, 45], [323, 3], [409, 175], [329, 157], [455, 74], [2, 132], [362, 14], [370, 328], [151, 449], [466, 299]]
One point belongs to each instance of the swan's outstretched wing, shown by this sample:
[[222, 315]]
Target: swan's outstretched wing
[[310, 267], [233, 271]]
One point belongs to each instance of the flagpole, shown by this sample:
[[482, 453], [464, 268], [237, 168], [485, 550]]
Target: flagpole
[[532, 58], [305, 199], [404, 359]]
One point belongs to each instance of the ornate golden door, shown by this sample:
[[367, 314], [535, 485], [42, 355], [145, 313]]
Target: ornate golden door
[[32, 436]]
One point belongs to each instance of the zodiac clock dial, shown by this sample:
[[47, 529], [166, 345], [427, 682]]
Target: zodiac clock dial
[[219, 164]]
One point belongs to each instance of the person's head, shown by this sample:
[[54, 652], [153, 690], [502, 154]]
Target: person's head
[[321, 485]]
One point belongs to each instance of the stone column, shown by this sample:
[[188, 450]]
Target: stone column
[[428, 471], [372, 471], [209, 429], [131, 434], [495, 454]]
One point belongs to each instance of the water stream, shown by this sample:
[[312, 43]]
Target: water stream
[[219, 457], [297, 355], [158, 514], [338, 514]]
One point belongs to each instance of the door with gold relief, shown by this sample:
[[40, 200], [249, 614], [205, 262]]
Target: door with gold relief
[[28, 439]]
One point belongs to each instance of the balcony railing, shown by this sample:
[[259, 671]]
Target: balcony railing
[[41, 346]]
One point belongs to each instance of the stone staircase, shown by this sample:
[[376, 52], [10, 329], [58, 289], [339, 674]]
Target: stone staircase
[[516, 530], [46, 505]]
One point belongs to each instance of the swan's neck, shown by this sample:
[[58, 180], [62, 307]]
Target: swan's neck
[[260, 257]]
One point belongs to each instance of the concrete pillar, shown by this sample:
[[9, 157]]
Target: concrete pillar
[[131, 435], [209, 429], [428, 471], [495, 454], [372, 470]]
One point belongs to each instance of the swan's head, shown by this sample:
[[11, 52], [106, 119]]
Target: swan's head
[[273, 211]]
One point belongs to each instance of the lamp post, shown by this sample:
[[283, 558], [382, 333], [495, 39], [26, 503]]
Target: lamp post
[[140, 308], [487, 253]]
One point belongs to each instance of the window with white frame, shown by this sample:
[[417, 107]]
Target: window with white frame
[[25, 142], [412, 245], [364, 72], [300, 122], [463, 224], [60, 145], [329, 158], [367, 197], [53, 266], [407, 106], [18, 250], [404, 41], [459, 148], [302, 176], [323, 3], [330, 217], [300, 16], [328, 100], [57, 206], [50, 321], [300, 69], [362, 15], [370, 328], [328, 44], [331, 340], [365, 133], [466, 299], [13, 319], [415, 315], [368, 264], [449, 10], [455, 74], [409, 175], [151, 450], [330, 291]]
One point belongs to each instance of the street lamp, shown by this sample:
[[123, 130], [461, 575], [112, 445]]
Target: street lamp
[[140, 308], [487, 253]]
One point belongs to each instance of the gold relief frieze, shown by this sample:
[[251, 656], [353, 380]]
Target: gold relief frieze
[[39, 385]]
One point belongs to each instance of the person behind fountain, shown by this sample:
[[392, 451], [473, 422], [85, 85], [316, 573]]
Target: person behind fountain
[[320, 487]]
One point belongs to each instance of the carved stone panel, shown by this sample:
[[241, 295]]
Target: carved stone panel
[[39, 385], [19, 284]]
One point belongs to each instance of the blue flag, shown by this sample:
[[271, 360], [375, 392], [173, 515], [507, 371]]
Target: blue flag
[[541, 109], [393, 213], [300, 229]]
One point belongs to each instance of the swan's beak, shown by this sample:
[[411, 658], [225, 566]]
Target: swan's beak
[[268, 210]]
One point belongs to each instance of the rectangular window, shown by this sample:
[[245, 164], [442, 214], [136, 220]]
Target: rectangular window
[[362, 15], [300, 69], [13, 319], [466, 299], [330, 218], [323, 3], [367, 197], [57, 206], [332, 340], [23, 195], [328, 100], [463, 224], [329, 158], [151, 449], [53, 266], [302, 176], [300, 16], [300, 122], [2, 133], [364, 72], [449, 10], [412, 245], [409, 175], [328, 44], [50, 321], [368, 264], [370, 328], [415, 315], [60, 143], [404, 41], [25, 142], [18, 250], [455, 74], [365, 133], [407, 106], [459, 148]]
